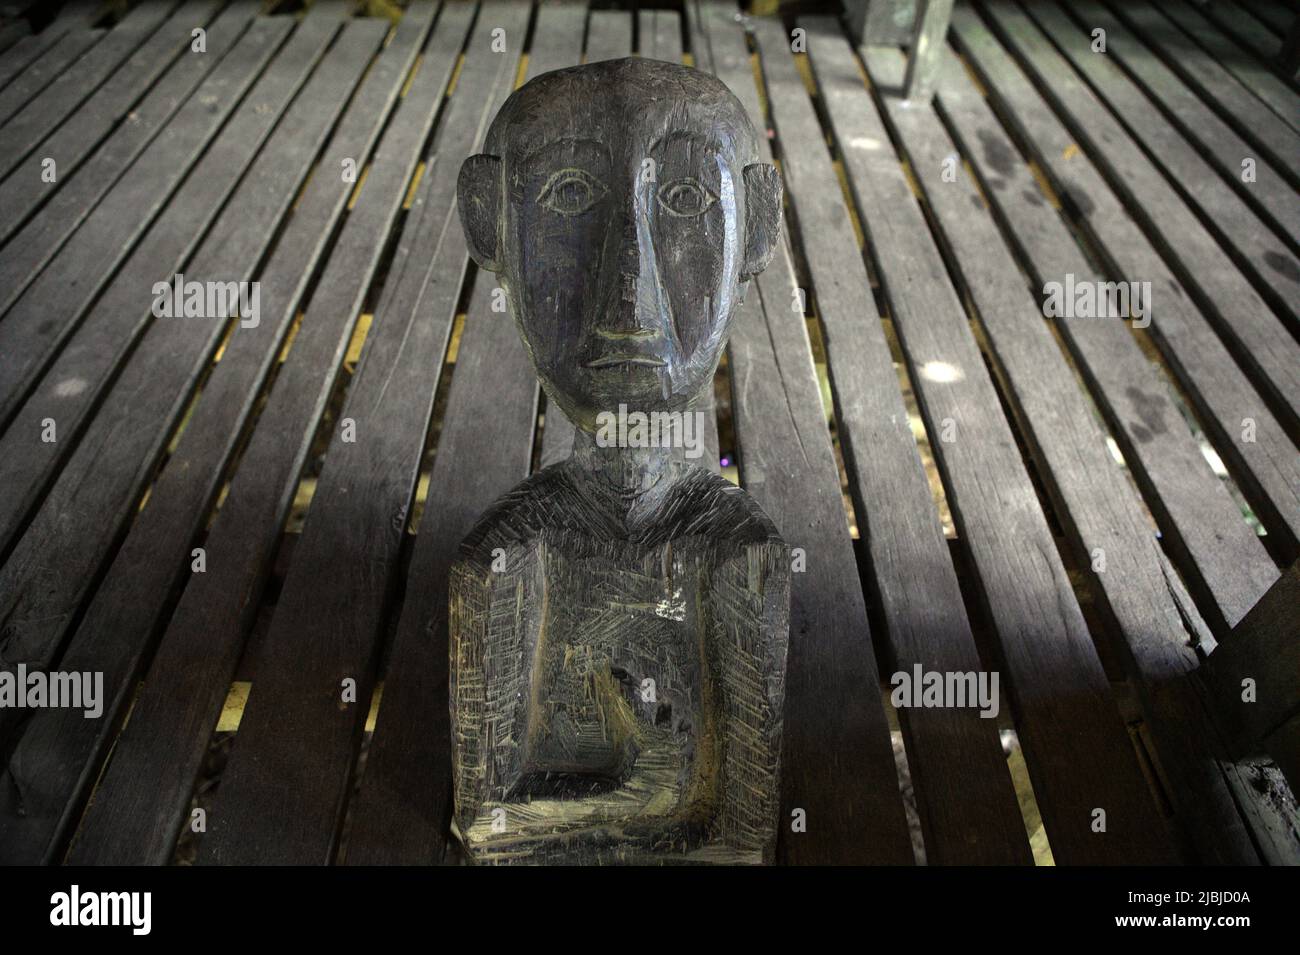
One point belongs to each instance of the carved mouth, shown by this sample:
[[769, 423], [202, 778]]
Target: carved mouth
[[608, 361]]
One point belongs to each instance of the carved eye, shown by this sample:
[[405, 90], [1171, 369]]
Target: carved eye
[[685, 198], [571, 192]]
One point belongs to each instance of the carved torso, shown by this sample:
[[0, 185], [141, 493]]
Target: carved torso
[[636, 687]]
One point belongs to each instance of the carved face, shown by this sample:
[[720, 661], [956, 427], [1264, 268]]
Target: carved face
[[621, 205]]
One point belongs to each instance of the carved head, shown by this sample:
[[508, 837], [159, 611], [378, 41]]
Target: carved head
[[624, 208]]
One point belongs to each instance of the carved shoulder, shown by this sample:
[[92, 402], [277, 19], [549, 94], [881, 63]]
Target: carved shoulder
[[555, 503], [520, 515], [708, 505]]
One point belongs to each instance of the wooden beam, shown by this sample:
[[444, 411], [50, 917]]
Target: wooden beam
[[881, 22], [1283, 744], [1265, 650], [923, 56]]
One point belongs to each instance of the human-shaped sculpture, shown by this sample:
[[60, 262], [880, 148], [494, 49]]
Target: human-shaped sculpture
[[619, 621]]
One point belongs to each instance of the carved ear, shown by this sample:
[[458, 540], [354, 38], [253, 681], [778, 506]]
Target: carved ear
[[478, 197], [762, 216]]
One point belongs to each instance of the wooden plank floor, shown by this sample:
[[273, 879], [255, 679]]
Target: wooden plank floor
[[247, 529]]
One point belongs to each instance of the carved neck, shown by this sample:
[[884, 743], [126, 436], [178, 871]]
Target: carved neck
[[629, 470]]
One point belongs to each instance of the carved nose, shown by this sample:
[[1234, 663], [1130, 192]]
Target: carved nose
[[624, 319], [629, 311]]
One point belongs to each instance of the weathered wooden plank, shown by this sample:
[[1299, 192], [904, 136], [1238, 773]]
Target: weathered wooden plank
[[72, 197], [142, 800], [659, 35], [1269, 195], [329, 618], [82, 370], [609, 35], [1253, 74], [1265, 258], [47, 310], [78, 140], [50, 107], [965, 799], [1262, 343], [1251, 118], [67, 144], [1244, 430], [1053, 676], [100, 487], [45, 70], [1146, 601], [838, 762]]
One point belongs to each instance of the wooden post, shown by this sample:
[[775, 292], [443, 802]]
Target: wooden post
[[881, 22], [1283, 744], [1253, 678], [924, 54]]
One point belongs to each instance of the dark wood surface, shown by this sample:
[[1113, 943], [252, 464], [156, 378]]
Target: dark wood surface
[[11, 32], [1218, 287], [1240, 21], [1227, 556], [1050, 670], [1269, 194], [361, 508], [67, 204], [1279, 141], [1266, 258], [214, 426], [99, 68], [116, 320], [1153, 613], [152, 391], [609, 35], [119, 318], [1276, 15], [838, 768], [1264, 651], [1250, 69], [109, 102], [175, 435], [188, 678], [51, 306], [978, 822], [26, 50], [40, 74]]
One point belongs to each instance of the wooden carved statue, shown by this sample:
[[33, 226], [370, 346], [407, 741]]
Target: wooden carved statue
[[619, 622]]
